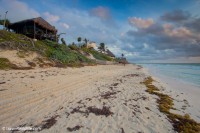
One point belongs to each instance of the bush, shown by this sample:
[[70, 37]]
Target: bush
[[5, 63], [65, 55], [97, 55], [73, 47], [100, 56]]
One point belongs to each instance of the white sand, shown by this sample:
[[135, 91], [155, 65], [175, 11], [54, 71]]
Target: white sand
[[29, 98]]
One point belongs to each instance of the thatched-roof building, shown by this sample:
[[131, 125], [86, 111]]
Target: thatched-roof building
[[109, 53], [35, 28]]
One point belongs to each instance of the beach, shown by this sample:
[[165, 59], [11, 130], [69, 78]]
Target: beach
[[177, 79], [93, 99]]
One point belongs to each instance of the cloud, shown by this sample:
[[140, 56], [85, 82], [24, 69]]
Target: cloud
[[165, 40], [15, 10], [50, 17], [66, 26], [140, 23], [176, 16], [194, 24], [101, 12], [82, 24], [180, 32], [104, 14]]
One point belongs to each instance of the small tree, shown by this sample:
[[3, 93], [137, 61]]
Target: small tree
[[122, 55], [101, 47], [86, 41], [58, 36], [123, 59], [79, 39], [7, 23], [63, 41]]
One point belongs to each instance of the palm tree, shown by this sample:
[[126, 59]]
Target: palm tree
[[58, 36], [63, 41], [86, 41], [85, 44], [101, 47], [79, 39], [123, 59], [122, 55]]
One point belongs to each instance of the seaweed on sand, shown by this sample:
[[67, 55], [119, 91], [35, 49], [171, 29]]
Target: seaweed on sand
[[180, 123], [104, 111], [74, 128]]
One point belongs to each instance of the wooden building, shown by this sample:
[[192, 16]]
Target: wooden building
[[36, 28]]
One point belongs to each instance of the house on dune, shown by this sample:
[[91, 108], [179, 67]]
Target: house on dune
[[36, 28], [109, 53]]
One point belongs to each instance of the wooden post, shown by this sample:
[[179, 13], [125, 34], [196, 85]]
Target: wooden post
[[56, 38], [34, 30], [46, 36], [25, 29]]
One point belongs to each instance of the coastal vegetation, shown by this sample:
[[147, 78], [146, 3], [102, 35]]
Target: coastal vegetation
[[65, 55], [181, 124]]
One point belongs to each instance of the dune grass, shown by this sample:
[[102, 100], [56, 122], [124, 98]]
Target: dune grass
[[52, 50], [182, 124], [98, 55]]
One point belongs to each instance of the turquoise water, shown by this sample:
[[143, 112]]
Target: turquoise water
[[189, 73]]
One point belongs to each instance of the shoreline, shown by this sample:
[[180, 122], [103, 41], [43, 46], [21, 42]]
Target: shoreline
[[99, 98], [181, 91]]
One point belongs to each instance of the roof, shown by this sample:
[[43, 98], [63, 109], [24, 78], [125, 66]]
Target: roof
[[110, 53], [39, 21]]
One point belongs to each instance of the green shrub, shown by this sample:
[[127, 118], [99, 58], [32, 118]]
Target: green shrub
[[97, 55], [100, 56], [73, 47], [5, 63]]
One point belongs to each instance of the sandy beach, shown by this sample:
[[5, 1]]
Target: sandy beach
[[92, 99]]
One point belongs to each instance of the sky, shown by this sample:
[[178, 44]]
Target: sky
[[145, 31]]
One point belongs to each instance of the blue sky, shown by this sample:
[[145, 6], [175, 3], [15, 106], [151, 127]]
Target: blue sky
[[144, 30]]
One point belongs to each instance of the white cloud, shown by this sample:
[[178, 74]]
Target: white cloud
[[146, 45], [17, 10], [182, 32], [65, 25], [101, 12], [50, 17], [140, 23], [81, 23]]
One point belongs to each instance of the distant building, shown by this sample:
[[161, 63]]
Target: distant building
[[36, 28], [109, 53], [91, 45]]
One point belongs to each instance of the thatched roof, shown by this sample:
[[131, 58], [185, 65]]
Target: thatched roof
[[109, 53], [39, 21]]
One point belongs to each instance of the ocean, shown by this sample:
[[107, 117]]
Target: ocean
[[188, 73]]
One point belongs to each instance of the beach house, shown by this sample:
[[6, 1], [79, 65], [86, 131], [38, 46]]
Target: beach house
[[36, 28], [109, 53], [91, 45]]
